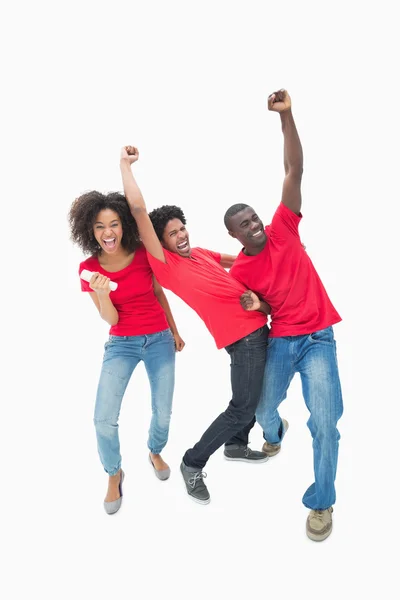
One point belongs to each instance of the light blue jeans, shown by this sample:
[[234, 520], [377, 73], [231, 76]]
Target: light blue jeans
[[314, 357], [121, 356]]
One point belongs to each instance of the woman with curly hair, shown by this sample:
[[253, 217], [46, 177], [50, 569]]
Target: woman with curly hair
[[142, 328]]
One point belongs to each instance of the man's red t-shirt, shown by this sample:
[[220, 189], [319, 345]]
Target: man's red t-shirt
[[139, 311], [205, 286], [283, 274]]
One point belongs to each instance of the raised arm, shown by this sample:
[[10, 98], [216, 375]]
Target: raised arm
[[129, 155], [292, 154]]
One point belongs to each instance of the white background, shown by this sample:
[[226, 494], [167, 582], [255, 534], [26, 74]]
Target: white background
[[187, 83]]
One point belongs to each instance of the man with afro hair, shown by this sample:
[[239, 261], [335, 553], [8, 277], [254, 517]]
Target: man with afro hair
[[199, 278]]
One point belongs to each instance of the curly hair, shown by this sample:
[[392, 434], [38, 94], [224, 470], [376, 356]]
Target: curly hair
[[84, 211], [233, 210], [161, 216]]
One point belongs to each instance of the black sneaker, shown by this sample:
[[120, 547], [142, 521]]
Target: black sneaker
[[244, 453], [195, 486]]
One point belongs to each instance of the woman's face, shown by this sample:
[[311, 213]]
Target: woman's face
[[107, 230]]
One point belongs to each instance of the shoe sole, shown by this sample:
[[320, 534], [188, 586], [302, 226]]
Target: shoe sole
[[114, 512], [316, 537], [246, 460], [192, 497], [198, 501], [271, 454]]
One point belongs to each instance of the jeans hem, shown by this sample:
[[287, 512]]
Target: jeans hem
[[270, 443], [313, 508], [207, 446], [112, 472]]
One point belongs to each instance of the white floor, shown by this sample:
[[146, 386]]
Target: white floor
[[249, 541]]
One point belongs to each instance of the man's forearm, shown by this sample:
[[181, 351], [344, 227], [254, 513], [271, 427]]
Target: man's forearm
[[293, 152], [265, 308], [131, 189]]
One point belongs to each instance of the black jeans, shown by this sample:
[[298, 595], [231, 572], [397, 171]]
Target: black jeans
[[248, 357]]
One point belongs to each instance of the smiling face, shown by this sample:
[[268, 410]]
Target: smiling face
[[107, 230], [247, 227], [176, 238]]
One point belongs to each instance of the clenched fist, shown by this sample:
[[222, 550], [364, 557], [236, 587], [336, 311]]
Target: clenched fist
[[179, 343], [100, 284], [250, 301], [279, 101], [130, 153]]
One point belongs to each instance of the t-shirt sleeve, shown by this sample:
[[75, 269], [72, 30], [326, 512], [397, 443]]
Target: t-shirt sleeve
[[237, 269], [285, 223], [162, 271], [85, 287]]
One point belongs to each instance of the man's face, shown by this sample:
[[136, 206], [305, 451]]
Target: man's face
[[176, 238], [246, 227]]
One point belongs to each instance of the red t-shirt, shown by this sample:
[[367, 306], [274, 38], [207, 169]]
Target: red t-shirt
[[139, 311], [205, 286], [284, 275]]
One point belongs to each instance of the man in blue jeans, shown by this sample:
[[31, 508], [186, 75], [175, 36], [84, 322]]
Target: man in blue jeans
[[273, 264]]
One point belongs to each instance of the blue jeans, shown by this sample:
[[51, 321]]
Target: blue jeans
[[121, 356], [233, 425], [314, 357]]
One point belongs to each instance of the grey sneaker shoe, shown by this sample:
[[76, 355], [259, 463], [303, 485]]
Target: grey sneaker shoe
[[195, 486], [273, 449], [115, 505], [244, 453], [162, 475], [319, 524]]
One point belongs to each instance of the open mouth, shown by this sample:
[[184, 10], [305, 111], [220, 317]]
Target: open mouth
[[258, 234], [110, 243], [183, 246]]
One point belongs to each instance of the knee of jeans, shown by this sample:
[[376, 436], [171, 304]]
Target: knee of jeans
[[239, 416], [106, 427], [325, 432]]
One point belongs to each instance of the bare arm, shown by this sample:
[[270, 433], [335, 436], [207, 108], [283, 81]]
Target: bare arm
[[292, 152], [161, 297], [227, 260], [264, 307], [101, 298], [129, 155]]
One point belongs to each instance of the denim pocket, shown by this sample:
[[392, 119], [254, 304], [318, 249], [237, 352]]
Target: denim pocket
[[257, 333], [114, 338], [167, 332], [324, 336]]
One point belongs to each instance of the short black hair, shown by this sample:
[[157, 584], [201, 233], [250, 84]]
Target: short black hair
[[84, 211], [233, 210], [161, 216]]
